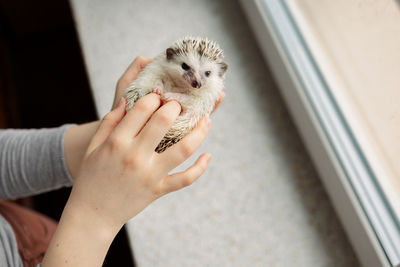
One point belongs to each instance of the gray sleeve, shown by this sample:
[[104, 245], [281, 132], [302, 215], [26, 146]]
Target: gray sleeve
[[32, 162], [9, 255]]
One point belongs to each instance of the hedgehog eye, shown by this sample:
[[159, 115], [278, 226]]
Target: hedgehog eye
[[185, 66], [207, 73]]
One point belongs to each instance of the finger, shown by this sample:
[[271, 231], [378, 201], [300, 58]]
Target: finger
[[219, 101], [107, 125], [129, 76], [158, 125], [182, 150], [137, 117], [133, 70], [180, 180]]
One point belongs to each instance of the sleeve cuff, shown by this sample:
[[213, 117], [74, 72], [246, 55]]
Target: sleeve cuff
[[67, 178]]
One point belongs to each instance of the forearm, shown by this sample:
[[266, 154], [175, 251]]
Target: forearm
[[81, 239], [75, 144]]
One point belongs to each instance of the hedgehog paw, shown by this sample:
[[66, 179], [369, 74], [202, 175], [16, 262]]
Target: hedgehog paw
[[157, 91]]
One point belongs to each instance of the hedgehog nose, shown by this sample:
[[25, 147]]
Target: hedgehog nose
[[196, 84]]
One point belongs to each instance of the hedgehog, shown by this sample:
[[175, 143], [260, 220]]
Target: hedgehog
[[192, 72]]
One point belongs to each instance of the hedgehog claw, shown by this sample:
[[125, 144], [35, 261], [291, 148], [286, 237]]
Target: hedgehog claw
[[156, 91]]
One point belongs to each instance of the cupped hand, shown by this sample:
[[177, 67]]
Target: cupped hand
[[121, 173]]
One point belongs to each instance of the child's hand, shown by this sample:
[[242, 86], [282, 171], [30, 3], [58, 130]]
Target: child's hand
[[121, 174]]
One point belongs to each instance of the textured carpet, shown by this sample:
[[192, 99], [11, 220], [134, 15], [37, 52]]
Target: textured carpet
[[260, 203]]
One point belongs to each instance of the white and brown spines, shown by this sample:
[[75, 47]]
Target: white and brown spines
[[202, 46]]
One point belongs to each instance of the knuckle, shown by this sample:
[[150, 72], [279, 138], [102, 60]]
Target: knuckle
[[143, 106], [186, 180], [186, 150], [147, 182], [115, 144], [163, 118], [132, 162], [157, 190]]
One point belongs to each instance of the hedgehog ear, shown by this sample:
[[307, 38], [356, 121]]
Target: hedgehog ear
[[170, 53], [223, 68]]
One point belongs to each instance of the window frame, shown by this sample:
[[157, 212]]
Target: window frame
[[348, 177]]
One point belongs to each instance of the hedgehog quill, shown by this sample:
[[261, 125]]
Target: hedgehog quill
[[192, 72]]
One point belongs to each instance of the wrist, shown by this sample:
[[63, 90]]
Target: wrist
[[91, 220], [76, 141]]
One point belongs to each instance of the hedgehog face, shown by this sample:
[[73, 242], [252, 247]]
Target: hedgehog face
[[194, 71]]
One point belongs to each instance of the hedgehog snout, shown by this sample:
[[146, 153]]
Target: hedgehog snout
[[195, 81], [192, 78], [196, 84]]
